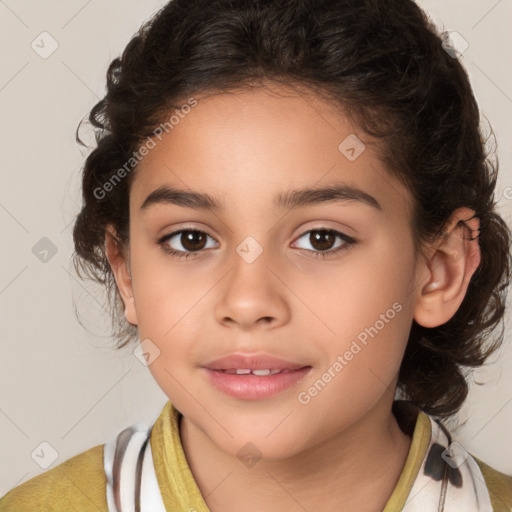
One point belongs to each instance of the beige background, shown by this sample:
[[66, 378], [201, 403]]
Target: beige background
[[62, 384]]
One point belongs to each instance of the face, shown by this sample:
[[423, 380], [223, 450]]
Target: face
[[326, 283]]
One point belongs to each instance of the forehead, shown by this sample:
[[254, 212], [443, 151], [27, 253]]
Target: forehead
[[259, 143]]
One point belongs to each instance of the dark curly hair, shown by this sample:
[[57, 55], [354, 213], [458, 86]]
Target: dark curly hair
[[384, 64]]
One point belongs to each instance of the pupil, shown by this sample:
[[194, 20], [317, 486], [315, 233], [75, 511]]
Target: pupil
[[190, 238], [322, 242]]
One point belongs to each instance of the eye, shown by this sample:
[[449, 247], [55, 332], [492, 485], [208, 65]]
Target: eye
[[322, 241], [190, 240], [194, 241]]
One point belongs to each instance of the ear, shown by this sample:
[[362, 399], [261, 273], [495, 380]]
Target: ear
[[455, 256], [121, 269]]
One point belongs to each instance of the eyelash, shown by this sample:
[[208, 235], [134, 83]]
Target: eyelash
[[349, 242]]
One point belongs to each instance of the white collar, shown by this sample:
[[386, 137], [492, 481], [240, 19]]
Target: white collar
[[449, 478]]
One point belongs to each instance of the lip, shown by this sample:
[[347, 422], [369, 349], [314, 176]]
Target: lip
[[258, 361], [254, 387]]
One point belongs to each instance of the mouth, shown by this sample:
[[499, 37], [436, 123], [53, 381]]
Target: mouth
[[255, 384], [248, 363], [260, 373]]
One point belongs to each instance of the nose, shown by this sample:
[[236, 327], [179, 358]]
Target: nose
[[253, 295]]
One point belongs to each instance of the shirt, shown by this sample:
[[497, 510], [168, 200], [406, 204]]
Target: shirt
[[82, 483]]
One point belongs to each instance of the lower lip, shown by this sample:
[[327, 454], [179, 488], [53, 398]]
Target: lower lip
[[255, 387]]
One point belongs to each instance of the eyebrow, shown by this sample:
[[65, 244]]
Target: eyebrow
[[285, 200]]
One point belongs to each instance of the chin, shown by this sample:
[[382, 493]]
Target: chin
[[252, 448]]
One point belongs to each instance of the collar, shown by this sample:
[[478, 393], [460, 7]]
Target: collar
[[438, 475]]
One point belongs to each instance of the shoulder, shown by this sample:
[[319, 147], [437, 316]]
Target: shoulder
[[499, 486], [76, 484]]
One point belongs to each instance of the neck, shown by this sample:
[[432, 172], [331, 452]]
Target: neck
[[344, 472]]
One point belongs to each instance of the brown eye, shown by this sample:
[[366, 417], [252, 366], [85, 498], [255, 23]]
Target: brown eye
[[322, 242], [193, 240], [185, 241], [321, 239]]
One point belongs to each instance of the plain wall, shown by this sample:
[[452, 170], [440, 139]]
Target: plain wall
[[65, 385]]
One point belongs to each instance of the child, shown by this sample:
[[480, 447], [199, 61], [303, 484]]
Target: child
[[251, 128]]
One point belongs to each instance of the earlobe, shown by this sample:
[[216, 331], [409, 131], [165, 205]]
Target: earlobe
[[454, 259], [122, 274]]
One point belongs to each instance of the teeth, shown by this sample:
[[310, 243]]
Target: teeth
[[247, 371], [261, 372]]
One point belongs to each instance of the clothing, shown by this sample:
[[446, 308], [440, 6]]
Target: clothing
[[153, 470]]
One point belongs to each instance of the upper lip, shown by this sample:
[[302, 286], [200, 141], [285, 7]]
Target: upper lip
[[252, 362]]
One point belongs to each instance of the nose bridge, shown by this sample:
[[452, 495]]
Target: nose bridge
[[251, 250], [251, 267], [251, 291]]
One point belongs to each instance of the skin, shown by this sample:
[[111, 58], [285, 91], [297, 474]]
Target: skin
[[244, 148]]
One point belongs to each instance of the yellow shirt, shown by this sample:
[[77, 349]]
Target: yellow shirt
[[79, 483]]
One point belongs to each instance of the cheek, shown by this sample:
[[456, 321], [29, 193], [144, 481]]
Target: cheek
[[368, 309], [167, 295], [354, 293]]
